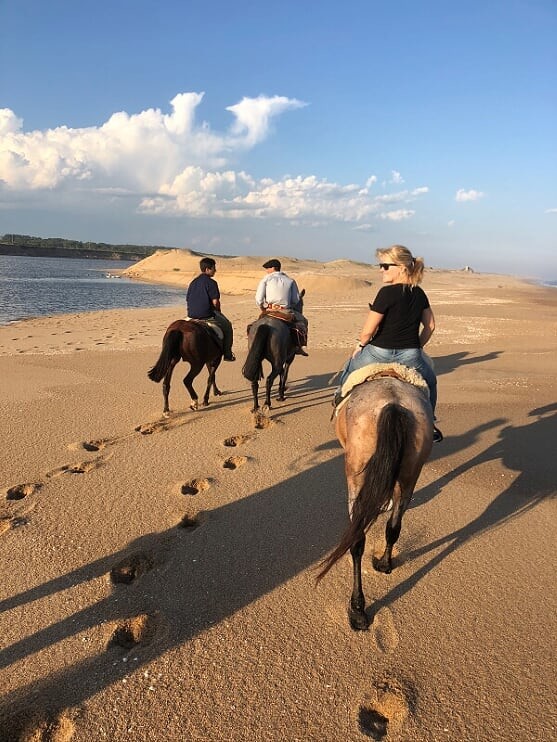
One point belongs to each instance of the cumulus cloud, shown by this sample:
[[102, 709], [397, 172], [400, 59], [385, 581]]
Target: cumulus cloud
[[471, 195], [170, 164], [198, 193]]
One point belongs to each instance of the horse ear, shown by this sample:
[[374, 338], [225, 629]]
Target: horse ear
[[302, 292]]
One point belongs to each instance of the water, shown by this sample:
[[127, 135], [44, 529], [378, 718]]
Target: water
[[31, 287]]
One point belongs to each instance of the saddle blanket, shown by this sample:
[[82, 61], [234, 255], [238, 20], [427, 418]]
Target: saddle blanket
[[211, 324], [381, 370]]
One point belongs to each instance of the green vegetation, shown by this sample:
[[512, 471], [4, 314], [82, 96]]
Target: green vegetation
[[26, 244]]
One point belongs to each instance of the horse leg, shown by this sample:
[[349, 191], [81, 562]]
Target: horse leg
[[356, 612], [210, 383], [255, 395], [195, 368], [216, 391], [166, 386], [282, 381], [392, 532], [268, 386]]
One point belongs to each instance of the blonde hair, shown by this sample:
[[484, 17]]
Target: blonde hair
[[413, 267]]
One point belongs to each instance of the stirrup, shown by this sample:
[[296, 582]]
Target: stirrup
[[437, 435]]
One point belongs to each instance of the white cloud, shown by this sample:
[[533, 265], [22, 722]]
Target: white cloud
[[398, 215], [550, 211], [451, 223], [228, 194], [253, 115], [396, 177], [471, 195], [169, 164]]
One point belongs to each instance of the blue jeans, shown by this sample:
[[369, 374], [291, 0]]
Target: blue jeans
[[411, 357]]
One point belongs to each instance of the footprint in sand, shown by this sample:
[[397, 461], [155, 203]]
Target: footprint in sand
[[190, 522], [83, 467], [384, 630], [130, 568], [59, 728], [195, 486], [236, 440], [134, 631], [20, 491], [234, 462], [261, 421], [382, 715], [8, 523], [157, 427]]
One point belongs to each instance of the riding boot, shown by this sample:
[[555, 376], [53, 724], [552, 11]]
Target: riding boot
[[301, 352]]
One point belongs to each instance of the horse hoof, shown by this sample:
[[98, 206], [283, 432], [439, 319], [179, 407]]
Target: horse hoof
[[380, 566], [194, 406], [166, 413], [358, 620]]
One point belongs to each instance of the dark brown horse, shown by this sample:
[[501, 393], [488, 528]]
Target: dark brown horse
[[270, 339], [385, 428], [190, 341]]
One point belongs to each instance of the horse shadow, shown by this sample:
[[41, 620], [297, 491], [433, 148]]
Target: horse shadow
[[193, 579], [526, 449]]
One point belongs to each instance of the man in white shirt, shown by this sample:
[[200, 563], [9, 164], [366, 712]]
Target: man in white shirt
[[278, 291]]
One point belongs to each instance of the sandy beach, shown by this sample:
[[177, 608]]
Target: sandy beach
[[158, 574]]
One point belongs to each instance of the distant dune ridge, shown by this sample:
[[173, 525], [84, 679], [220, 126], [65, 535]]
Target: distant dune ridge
[[239, 275]]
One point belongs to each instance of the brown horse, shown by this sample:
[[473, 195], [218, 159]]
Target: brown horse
[[385, 428], [190, 341]]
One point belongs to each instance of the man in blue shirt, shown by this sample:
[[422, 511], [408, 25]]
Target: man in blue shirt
[[203, 300]]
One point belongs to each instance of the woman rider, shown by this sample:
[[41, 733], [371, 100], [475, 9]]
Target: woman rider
[[391, 332]]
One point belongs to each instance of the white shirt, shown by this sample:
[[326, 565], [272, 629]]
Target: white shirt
[[277, 288]]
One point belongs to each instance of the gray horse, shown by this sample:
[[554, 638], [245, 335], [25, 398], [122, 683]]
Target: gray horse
[[385, 428]]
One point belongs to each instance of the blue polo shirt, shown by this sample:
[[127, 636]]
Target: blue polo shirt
[[201, 292]]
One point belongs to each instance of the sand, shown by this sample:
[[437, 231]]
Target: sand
[[158, 574]]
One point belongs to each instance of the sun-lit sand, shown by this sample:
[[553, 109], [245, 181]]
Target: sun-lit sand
[[158, 574]]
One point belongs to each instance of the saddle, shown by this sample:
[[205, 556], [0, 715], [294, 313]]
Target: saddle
[[297, 333], [209, 325], [279, 313], [374, 371]]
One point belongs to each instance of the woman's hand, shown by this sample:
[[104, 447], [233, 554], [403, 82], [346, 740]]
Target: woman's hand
[[357, 351]]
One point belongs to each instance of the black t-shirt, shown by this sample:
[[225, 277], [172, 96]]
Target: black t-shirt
[[201, 292], [402, 307]]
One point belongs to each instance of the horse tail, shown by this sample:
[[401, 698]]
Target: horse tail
[[170, 351], [381, 474], [252, 367]]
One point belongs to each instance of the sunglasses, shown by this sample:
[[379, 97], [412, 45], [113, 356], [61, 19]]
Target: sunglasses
[[386, 266]]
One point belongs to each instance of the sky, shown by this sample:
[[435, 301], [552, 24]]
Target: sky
[[319, 130]]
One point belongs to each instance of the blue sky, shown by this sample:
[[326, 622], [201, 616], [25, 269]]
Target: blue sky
[[311, 129]]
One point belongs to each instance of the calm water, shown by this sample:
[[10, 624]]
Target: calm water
[[39, 286]]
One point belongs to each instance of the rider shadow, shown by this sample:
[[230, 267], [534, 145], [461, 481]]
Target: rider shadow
[[451, 445], [193, 580], [526, 449], [448, 364]]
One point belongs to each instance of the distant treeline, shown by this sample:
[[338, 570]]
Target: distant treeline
[[58, 247]]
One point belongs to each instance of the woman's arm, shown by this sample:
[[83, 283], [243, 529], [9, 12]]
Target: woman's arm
[[369, 329], [428, 322]]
